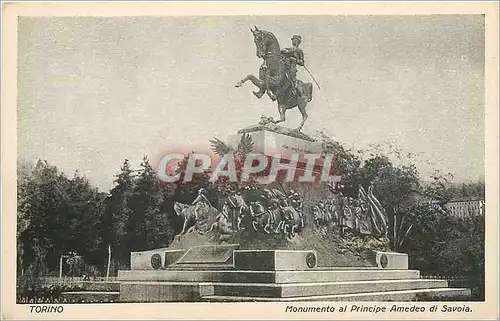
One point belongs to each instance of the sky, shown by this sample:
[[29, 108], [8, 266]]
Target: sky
[[95, 91]]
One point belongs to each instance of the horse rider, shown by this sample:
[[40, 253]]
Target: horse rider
[[321, 206], [295, 200], [294, 56], [200, 201], [221, 221], [226, 209], [271, 204], [232, 207]]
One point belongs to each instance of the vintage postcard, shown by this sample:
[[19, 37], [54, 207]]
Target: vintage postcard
[[239, 160]]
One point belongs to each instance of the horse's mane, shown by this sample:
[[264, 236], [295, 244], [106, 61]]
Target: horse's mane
[[272, 37]]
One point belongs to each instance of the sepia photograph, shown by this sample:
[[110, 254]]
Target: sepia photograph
[[254, 157]]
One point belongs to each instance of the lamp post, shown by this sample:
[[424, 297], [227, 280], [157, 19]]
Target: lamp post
[[61, 264], [109, 262]]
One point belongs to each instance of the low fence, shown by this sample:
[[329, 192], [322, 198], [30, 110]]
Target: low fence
[[48, 289], [453, 281], [475, 284], [47, 281]]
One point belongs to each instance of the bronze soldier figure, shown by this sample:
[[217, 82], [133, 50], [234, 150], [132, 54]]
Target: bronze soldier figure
[[200, 202], [294, 56], [278, 75]]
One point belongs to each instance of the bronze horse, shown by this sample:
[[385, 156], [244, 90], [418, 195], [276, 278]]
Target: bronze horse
[[273, 78]]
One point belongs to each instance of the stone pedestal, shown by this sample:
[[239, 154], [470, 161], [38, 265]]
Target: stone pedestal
[[154, 259], [279, 275], [285, 142], [274, 260], [391, 260], [282, 144]]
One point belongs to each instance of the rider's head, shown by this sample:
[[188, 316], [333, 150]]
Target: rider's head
[[202, 191], [296, 40]]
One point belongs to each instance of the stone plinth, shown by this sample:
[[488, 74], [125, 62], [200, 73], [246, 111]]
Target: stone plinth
[[207, 257], [282, 146], [279, 277], [154, 259], [163, 291], [391, 260], [271, 143], [274, 260], [274, 275]]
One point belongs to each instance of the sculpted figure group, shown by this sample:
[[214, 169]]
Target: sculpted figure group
[[363, 215], [267, 210], [272, 211]]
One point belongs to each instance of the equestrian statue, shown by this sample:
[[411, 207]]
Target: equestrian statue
[[278, 74]]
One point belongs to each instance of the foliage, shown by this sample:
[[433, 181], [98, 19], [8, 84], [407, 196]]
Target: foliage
[[419, 222], [115, 217], [471, 189], [450, 246], [147, 226], [57, 215], [32, 292]]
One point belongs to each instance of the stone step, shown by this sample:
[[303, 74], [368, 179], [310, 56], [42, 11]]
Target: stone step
[[163, 291], [440, 294], [91, 296], [200, 266], [101, 286], [319, 288], [331, 275]]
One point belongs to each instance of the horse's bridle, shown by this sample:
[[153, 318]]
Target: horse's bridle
[[262, 48]]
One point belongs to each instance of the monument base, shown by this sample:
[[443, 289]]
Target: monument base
[[275, 275], [282, 145]]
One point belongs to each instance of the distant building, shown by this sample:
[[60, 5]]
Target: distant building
[[466, 206]]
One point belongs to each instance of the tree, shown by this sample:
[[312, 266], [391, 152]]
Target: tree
[[85, 210], [397, 184], [24, 174], [148, 225], [56, 215], [116, 215], [43, 205]]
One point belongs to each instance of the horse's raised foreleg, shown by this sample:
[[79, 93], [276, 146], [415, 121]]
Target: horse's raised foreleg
[[256, 81]]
